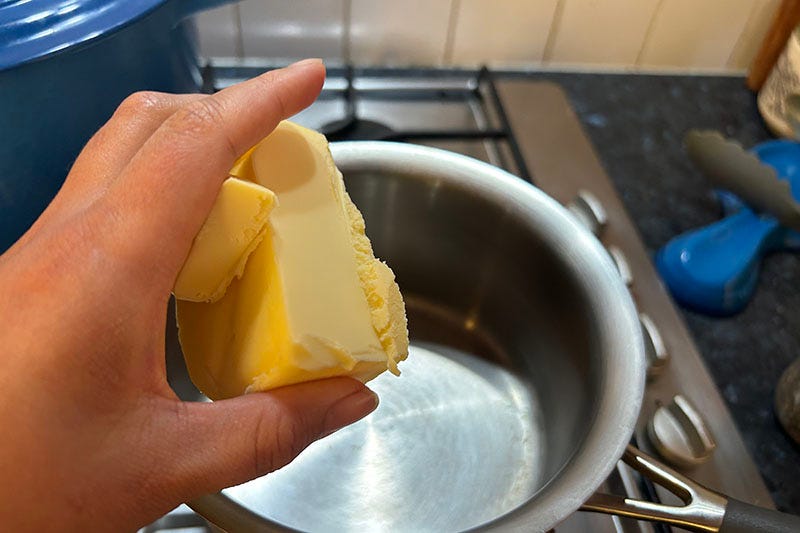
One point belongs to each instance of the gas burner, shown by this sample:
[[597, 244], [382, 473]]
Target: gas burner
[[352, 128]]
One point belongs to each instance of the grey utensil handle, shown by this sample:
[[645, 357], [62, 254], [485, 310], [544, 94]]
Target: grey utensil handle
[[741, 517], [731, 167]]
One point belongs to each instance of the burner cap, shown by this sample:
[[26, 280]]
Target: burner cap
[[356, 129]]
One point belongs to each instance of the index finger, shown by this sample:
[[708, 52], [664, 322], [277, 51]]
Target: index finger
[[163, 196]]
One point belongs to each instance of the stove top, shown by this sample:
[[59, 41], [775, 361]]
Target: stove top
[[529, 128]]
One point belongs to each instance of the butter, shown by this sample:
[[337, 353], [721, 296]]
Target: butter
[[243, 167], [234, 227], [312, 301]]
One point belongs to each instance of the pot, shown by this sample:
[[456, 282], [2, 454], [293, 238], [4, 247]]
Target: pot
[[523, 383], [64, 68]]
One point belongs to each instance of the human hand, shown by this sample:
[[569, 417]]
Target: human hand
[[93, 437]]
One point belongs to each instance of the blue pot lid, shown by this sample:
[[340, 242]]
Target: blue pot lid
[[30, 29]]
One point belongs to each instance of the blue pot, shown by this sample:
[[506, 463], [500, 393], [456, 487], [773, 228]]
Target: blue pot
[[65, 65]]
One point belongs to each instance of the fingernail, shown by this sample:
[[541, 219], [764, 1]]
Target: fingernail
[[306, 62], [349, 409]]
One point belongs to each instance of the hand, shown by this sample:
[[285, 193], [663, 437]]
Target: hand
[[93, 437]]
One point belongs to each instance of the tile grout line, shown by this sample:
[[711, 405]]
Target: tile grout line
[[450, 36], [647, 34], [347, 21], [555, 25], [239, 37]]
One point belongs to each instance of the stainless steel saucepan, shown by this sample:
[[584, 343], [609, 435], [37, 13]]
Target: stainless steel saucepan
[[523, 384]]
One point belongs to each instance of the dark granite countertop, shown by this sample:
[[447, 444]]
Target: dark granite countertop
[[636, 123]]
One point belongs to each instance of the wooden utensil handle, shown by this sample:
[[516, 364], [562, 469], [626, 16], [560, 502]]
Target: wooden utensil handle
[[785, 21]]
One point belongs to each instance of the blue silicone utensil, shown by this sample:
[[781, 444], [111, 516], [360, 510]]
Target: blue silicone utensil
[[715, 269]]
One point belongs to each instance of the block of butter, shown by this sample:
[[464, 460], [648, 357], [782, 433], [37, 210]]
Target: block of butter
[[312, 301]]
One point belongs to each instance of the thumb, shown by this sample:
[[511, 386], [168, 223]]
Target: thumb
[[236, 440]]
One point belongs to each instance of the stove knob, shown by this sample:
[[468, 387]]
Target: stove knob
[[622, 264], [589, 211], [680, 434], [655, 350]]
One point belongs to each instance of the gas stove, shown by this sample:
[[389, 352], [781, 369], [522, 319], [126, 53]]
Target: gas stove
[[529, 128]]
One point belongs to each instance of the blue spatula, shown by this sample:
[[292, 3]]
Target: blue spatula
[[714, 269]]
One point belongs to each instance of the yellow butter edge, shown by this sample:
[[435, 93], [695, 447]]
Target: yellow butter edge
[[258, 237], [242, 169], [376, 277]]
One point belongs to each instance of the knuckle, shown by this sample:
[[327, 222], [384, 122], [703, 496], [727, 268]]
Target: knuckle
[[268, 79], [141, 102], [279, 442], [198, 117], [269, 83]]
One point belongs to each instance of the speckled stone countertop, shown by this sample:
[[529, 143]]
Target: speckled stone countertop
[[637, 124]]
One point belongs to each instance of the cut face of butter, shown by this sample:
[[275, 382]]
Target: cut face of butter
[[313, 301], [234, 227]]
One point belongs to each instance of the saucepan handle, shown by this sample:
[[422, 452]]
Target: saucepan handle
[[703, 509], [741, 517], [225, 515]]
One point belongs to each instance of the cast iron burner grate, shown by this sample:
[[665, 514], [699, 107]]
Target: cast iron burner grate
[[352, 126]]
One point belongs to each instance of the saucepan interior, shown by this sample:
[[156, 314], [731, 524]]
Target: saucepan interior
[[525, 372]]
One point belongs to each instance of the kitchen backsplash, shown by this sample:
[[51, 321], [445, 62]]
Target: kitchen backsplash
[[648, 35]]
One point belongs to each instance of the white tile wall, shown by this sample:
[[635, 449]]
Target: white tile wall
[[713, 35], [219, 32], [407, 32], [609, 32], [511, 32], [695, 34], [293, 29]]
